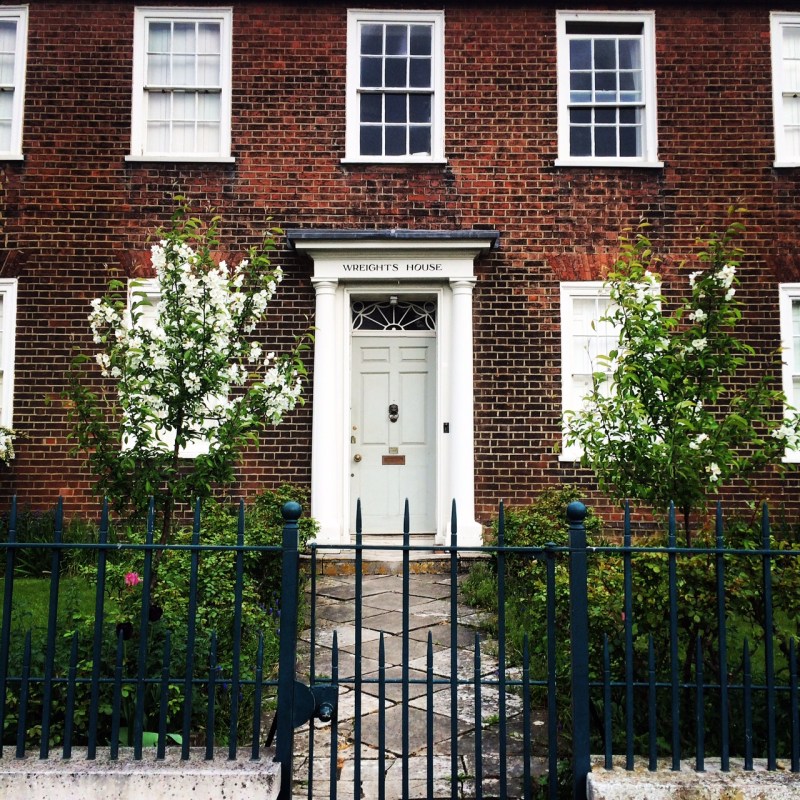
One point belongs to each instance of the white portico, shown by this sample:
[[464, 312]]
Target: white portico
[[393, 380]]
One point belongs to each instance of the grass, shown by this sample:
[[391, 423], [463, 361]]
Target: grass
[[31, 601]]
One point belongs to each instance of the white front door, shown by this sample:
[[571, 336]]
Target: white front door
[[393, 432]]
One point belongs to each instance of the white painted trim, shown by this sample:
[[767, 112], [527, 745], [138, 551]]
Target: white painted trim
[[20, 14], [650, 138], [332, 376], [570, 291], [142, 15], [8, 290], [778, 21], [787, 293], [352, 131]]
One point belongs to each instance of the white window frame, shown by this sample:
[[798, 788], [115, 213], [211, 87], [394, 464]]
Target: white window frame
[[778, 22], [20, 15], [787, 294], [355, 19], [571, 291], [8, 290], [649, 157], [142, 17], [150, 289]]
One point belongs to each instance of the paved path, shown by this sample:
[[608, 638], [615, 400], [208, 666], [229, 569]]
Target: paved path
[[429, 612]]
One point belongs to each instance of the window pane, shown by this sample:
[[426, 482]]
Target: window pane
[[208, 71], [8, 35], [5, 134], [209, 107], [6, 69], [580, 86], [605, 142], [630, 54], [371, 141], [580, 116], [158, 137], [580, 54], [630, 87], [183, 38], [371, 72], [209, 38], [605, 116], [396, 40], [396, 108], [420, 77], [420, 140], [605, 54], [421, 40], [183, 137], [371, 108], [158, 37], [183, 72], [184, 106], [420, 108], [158, 107], [605, 84], [372, 39], [580, 141], [6, 105], [396, 72], [396, 141], [208, 138], [792, 140], [158, 70], [629, 141], [791, 41]]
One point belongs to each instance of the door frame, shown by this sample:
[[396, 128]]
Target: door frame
[[407, 292], [385, 262]]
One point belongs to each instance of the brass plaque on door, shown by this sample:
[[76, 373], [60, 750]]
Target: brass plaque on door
[[393, 461]]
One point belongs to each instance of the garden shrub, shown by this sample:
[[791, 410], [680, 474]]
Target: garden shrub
[[169, 610], [544, 521]]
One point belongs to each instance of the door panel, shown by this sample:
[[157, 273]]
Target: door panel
[[392, 461]]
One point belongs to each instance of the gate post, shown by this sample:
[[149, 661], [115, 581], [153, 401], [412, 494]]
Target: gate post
[[290, 573], [579, 639]]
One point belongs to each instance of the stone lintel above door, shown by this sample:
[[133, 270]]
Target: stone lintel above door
[[396, 254]]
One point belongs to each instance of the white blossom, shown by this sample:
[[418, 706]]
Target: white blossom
[[698, 315], [700, 344], [713, 471], [697, 441]]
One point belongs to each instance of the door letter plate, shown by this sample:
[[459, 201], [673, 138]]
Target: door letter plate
[[393, 461]]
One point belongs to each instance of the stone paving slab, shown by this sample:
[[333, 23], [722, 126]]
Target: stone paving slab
[[429, 614]]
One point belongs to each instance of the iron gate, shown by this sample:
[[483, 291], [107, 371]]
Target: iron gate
[[428, 705]]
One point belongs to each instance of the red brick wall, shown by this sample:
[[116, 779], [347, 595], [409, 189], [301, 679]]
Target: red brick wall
[[73, 210]]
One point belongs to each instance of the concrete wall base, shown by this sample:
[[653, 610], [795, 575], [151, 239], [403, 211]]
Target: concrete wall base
[[31, 778], [713, 784]]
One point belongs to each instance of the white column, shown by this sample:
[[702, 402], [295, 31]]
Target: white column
[[326, 465], [462, 415]]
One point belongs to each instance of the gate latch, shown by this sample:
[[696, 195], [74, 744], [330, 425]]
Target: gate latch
[[319, 701]]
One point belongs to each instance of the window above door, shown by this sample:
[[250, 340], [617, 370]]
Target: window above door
[[606, 89], [395, 86]]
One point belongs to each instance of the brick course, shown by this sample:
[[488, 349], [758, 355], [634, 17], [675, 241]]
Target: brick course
[[74, 213]]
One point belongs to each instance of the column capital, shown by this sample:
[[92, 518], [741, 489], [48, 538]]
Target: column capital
[[463, 285], [324, 285]]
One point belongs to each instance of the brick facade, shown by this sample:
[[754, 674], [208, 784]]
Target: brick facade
[[74, 213]]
